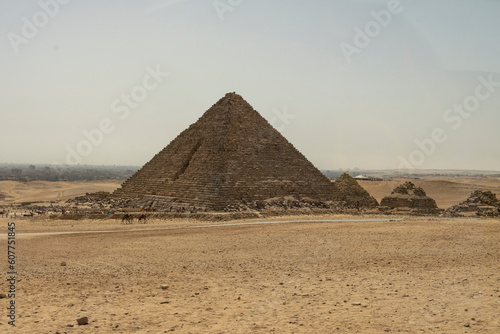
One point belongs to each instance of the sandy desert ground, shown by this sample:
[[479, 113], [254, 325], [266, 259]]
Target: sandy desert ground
[[417, 275], [410, 276]]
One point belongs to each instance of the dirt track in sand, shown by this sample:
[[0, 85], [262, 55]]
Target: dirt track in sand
[[412, 276]]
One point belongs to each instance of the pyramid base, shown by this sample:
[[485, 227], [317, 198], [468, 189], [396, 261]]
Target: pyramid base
[[156, 203]]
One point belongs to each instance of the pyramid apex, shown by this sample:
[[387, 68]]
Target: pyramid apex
[[232, 99], [232, 96]]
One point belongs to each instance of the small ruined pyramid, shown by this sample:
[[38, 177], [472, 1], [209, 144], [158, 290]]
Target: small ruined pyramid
[[410, 196], [482, 203], [351, 192], [230, 156]]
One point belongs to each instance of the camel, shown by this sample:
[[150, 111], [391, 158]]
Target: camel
[[127, 219], [142, 217]]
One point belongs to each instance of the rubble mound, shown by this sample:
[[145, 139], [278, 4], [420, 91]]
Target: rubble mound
[[351, 192], [90, 197], [483, 203], [286, 203], [410, 196]]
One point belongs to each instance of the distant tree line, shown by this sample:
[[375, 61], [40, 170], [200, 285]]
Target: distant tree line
[[26, 172]]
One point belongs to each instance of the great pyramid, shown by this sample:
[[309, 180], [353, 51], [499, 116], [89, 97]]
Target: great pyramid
[[230, 156]]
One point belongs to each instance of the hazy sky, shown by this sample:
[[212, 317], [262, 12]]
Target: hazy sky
[[349, 83]]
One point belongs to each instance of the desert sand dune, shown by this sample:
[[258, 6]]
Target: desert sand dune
[[447, 191], [45, 191]]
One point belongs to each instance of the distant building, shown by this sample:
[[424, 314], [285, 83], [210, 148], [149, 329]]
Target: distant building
[[32, 168], [366, 178], [17, 172]]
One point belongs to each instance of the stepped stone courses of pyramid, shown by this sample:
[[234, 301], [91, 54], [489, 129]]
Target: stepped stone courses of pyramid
[[408, 195], [231, 155]]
